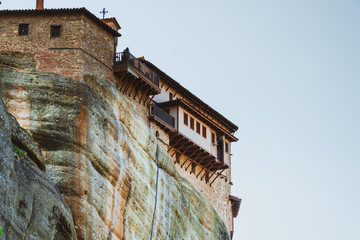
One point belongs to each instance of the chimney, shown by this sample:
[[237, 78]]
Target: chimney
[[39, 4]]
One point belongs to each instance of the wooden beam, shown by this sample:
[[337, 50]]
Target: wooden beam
[[144, 94], [174, 153], [214, 172], [134, 86], [175, 94], [172, 138], [183, 153], [204, 167], [185, 142], [127, 87], [199, 163], [125, 81], [149, 100], [193, 160], [209, 168], [217, 176], [120, 80], [139, 91], [178, 159], [202, 160], [175, 142], [188, 158]]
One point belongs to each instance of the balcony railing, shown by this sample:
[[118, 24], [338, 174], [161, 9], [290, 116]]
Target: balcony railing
[[157, 112], [127, 58]]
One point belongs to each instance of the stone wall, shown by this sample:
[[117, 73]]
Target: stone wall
[[97, 42], [217, 194], [83, 46], [39, 41]]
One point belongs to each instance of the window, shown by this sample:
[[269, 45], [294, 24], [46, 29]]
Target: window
[[186, 119], [171, 96], [213, 137], [204, 131], [198, 127], [226, 147], [191, 123], [23, 29], [55, 31]]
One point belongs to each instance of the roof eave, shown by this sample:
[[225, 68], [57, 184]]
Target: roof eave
[[187, 93]]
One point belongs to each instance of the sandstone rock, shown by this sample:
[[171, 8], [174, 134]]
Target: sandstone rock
[[21, 138], [4, 120], [30, 205], [100, 153]]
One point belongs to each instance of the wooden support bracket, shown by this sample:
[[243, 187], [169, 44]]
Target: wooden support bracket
[[219, 174]]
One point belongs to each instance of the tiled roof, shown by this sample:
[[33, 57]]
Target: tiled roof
[[112, 20], [235, 205]]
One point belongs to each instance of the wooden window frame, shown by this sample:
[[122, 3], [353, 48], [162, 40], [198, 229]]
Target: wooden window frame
[[186, 119], [23, 29], [198, 127], [192, 123], [213, 138], [204, 130], [55, 29]]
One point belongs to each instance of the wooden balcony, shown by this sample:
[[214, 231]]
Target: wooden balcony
[[210, 167], [135, 79], [162, 118]]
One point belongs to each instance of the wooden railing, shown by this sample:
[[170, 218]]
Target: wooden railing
[[126, 57], [156, 111]]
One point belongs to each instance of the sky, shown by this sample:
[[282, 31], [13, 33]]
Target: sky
[[287, 72]]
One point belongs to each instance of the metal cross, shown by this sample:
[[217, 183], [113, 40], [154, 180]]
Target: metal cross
[[103, 12]]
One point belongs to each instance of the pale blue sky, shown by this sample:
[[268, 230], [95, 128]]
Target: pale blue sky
[[288, 74]]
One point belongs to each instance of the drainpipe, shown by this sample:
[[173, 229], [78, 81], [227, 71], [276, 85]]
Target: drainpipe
[[39, 4]]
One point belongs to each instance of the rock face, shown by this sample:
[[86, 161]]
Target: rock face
[[30, 205], [100, 154]]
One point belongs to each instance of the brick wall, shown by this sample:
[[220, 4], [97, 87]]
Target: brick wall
[[99, 45], [84, 47]]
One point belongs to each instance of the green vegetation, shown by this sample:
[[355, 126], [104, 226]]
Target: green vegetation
[[29, 133], [1, 231], [20, 152]]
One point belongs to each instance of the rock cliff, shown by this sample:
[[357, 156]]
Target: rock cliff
[[31, 207], [100, 154]]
